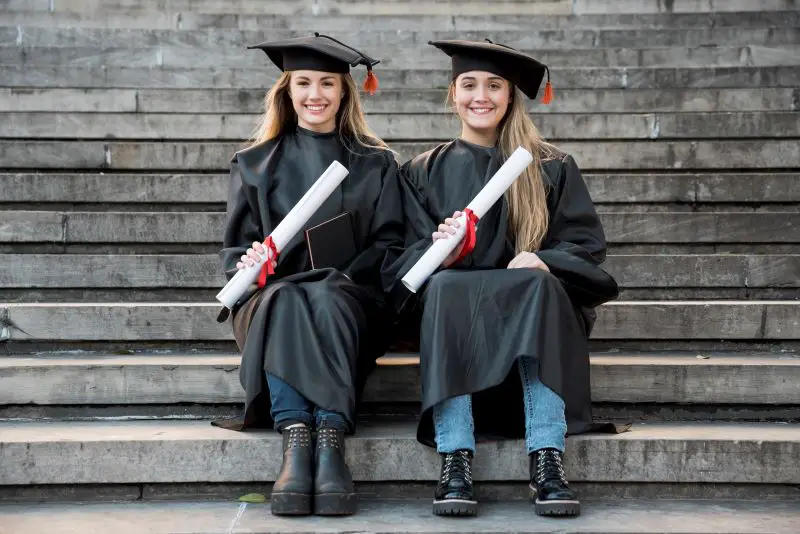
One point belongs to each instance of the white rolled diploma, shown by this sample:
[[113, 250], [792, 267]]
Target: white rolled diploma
[[485, 199], [289, 227]]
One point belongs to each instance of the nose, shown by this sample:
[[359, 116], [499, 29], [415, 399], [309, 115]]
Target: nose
[[482, 94], [313, 91]]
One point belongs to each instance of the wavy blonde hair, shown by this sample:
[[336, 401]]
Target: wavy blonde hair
[[527, 197], [279, 115]]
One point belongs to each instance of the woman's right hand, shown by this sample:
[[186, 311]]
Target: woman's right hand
[[445, 230], [254, 255]]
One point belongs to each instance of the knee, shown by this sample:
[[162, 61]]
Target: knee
[[441, 281]]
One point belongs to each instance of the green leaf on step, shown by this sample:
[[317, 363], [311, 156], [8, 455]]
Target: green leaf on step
[[253, 497]]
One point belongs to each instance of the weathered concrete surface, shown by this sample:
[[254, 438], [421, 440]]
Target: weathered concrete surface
[[121, 188], [590, 155], [406, 516], [418, 57], [716, 378], [541, 7], [194, 20], [14, 99], [33, 37], [206, 227], [226, 78], [612, 517], [407, 126], [195, 451], [679, 6], [655, 320], [203, 271], [611, 189]]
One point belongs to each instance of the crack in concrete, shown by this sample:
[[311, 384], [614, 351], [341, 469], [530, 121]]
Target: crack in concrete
[[237, 517]]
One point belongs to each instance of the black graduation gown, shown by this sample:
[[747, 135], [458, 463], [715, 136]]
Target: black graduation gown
[[477, 317], [318, 330]]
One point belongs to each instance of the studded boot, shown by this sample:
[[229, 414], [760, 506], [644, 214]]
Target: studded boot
[[454, 494], [334, 493], [293, 489], [549, 489]]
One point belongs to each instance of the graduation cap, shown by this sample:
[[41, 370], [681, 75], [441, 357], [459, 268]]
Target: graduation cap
[[517, 67], [319, 52]]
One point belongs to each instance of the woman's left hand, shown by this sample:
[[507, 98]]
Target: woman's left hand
[[528, 260]]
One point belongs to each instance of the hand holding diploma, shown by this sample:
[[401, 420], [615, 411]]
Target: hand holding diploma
[[281, 235], [441, 249], [447, 229]]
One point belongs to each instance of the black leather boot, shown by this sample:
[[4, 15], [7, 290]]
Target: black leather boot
[[334, 493], [293, 490], [549, 489], [454, 494]]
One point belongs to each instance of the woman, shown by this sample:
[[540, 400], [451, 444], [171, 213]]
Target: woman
[[503, 341], [310, 333]]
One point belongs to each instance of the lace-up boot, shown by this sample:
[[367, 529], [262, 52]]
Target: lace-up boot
[[454, 494], [549, 489]]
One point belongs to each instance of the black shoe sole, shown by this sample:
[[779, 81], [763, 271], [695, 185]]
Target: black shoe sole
[[455, 508], [557, 508], [335, 504], [290, 504]]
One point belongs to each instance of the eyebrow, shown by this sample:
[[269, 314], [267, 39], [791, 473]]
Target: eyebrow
[[306, 78], [473, 79]]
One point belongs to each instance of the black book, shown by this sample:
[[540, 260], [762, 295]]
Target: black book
[[331, 244]]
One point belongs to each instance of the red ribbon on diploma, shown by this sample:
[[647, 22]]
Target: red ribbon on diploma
[[470, 238], [267, 269]]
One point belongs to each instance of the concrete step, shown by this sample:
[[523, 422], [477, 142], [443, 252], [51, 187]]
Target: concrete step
[[194, 451], [391, 40], [705, 378], [170, 57], [399, 101], [173, 189], [757, 155], [228, 517], [221, 77], [63, 271], [196, 322], [206, 227], [420, 127], [435, 7], [154, 19]]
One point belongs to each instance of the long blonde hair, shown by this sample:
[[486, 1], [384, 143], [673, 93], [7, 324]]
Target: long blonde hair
[[527, 197], [279, 115]]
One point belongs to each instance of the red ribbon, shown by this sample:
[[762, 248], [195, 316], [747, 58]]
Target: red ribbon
[[267, 268], [470, 238]]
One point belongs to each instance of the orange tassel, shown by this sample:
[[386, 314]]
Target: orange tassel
[[371, 83], [548, 93]]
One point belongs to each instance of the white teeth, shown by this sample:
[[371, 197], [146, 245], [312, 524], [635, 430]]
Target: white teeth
[[481, 110], [315, 108]]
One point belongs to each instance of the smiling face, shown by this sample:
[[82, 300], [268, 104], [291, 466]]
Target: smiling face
[[481, 100], [316, 98]]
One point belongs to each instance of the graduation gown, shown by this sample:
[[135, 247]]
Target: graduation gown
[[318, 330], [478, 317]]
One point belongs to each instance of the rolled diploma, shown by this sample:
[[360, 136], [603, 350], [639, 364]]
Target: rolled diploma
[[485, 199], [289, 227]]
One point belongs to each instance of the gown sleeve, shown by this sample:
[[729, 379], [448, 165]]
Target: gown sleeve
[[385, 236], [575, 244], [242, 225], [417, 236]]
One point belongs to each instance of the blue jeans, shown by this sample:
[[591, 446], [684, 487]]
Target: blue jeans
[[289, 406], [545, 423]]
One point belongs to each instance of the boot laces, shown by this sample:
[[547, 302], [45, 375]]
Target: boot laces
[[457, 465], [549, 467]]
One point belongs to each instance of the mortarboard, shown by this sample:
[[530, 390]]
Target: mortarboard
[[517, 67], [319, 52]]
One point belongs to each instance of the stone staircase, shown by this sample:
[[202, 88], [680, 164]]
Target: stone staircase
[[117, 122]]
